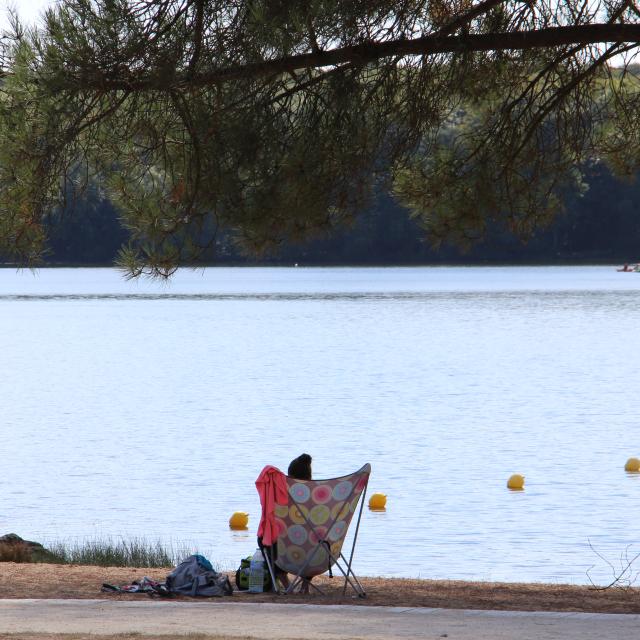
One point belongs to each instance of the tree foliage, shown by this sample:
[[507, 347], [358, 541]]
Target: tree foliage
[[278, 120]]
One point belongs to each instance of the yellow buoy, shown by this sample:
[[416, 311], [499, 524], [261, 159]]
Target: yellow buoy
[[378, 501], [239, 520], [516, 482], [633, 465]]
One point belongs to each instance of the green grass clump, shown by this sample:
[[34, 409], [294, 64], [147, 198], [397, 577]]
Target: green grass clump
[[102, 552], [136, 552]]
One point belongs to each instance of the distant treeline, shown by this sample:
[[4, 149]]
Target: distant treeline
[[601, 226]]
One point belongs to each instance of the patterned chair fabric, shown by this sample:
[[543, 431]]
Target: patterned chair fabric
[[315, 520]]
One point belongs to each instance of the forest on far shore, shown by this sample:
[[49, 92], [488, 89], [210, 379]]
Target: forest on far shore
[[602, 225]]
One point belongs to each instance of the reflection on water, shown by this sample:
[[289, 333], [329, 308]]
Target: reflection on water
[[149, 409]]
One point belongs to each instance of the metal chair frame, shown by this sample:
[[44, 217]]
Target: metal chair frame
[[350, 577]]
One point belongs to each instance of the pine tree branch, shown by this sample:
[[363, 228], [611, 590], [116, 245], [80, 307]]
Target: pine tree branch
[[582, 35]]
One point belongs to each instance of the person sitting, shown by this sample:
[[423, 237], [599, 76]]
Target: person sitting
[[300, 469]]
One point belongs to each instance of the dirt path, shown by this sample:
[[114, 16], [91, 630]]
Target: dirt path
[[264, 621], [79, 582]]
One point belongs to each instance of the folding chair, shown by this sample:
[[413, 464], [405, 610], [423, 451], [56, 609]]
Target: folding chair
[[312, 527]]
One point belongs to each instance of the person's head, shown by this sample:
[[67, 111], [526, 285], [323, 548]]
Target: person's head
[[300, 467]]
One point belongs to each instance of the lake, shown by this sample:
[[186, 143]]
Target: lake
[[143, 409]]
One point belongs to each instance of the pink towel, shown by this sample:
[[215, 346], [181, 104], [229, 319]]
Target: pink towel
[[272, 488]]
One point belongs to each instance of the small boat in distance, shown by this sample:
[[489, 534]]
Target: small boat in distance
[[630, 268]]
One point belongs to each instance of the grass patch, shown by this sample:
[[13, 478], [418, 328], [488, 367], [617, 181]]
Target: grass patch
[[137, 552], [100, 552]]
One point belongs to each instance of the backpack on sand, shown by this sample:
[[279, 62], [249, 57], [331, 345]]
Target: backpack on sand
[[242, 576], [196, 577]]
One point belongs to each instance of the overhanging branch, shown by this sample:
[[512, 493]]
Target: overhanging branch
[[370, 52]]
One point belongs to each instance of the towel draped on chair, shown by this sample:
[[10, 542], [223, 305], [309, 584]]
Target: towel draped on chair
[[272, 489]]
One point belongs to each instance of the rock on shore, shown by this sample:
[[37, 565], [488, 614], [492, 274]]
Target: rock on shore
[[13, 548]]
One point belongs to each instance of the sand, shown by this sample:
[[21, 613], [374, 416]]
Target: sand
[[35, 580]]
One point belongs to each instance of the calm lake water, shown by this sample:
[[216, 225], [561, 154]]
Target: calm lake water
[[144, 409]]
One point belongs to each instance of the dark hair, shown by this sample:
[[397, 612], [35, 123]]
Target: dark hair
[[300, 467]]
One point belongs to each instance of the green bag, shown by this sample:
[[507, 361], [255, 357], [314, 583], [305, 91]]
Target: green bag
[[242, 576]]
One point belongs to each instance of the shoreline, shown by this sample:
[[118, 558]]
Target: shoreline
[[61, 581]]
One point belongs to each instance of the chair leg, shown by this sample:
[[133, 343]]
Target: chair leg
[[349, 577], [269, 562], [293, 584], [303, 585]]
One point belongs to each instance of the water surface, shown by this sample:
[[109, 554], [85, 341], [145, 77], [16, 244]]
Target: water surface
[[148, 409]]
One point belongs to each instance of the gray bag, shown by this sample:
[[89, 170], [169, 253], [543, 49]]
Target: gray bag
[[196, 577]]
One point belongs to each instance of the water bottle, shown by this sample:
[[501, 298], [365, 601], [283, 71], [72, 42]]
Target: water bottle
[[256, 573]]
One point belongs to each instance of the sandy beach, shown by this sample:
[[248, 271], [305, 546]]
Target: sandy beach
[[35, 580]]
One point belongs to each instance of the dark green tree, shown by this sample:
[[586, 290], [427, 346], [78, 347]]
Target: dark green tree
[[278, 120]]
